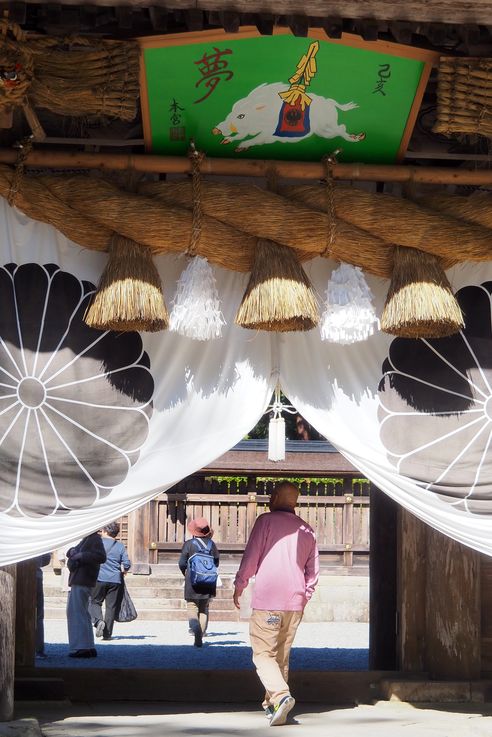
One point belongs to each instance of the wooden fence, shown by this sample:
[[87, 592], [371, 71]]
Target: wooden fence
[[338, 512]]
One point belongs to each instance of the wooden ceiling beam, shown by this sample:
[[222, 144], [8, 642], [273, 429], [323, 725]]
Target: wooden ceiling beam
[[230, 20], [194, 19], [299, 25], [151, 163], [265, 24], [158, 18], [478, 12], [333, 27]]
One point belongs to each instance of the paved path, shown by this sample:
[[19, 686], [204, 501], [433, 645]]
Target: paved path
[[167, 644], [384, 719], [148, 644]]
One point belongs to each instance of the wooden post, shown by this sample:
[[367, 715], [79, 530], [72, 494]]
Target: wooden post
[[348, 522], [251, 505], [452, 609], [139, 539], [438, 603], [7, 641], [155, 509], [25, 618], [411, 592], [383, 516]]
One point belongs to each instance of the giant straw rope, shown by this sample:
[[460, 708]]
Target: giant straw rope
[[89, 209]]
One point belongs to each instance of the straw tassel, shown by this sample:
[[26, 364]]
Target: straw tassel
[[196, 311], [279, 296], [129, 296], [420, 302], [349, 314]]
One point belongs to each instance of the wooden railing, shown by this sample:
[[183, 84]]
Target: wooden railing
[[339, 513]]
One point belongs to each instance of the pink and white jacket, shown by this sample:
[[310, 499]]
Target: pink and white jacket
[[283, 556]]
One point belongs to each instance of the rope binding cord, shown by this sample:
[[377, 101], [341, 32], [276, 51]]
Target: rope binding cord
[[24, 149], [196, 311], [329, 162], [196, 158]]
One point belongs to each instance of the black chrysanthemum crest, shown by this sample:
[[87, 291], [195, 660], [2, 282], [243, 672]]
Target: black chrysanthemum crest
[[436, 407], [75, 402]]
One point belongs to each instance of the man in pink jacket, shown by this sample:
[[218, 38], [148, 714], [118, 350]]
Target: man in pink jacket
[[283, 556]]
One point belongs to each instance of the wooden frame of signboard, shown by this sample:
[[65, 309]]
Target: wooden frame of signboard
[[382, 98]]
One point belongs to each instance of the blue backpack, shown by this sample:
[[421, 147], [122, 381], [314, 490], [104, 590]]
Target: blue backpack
[[201, 565]]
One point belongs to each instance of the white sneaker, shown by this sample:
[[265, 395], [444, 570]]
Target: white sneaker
[[281, 711], [100, 628]]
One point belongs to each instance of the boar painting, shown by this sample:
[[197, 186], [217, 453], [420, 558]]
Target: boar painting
[[245, 95], [280, 112]]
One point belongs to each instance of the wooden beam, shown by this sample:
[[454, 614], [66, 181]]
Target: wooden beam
[[248, 167], [454, 11]]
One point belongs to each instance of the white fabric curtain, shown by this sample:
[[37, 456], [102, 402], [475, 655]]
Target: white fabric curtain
[[142, 413], [94, 424], [423, 433]]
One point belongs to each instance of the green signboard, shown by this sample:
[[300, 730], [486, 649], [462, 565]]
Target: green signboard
[[280, 96]]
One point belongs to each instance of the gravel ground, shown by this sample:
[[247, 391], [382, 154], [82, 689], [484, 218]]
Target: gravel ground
[[148, 644]]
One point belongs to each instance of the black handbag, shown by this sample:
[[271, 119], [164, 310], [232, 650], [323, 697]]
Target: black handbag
[[127, 611]]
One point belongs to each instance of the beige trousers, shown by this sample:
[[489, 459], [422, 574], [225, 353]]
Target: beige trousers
[[198, 615], [272, 635]]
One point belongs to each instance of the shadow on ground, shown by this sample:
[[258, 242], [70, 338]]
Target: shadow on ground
[[215, 654]]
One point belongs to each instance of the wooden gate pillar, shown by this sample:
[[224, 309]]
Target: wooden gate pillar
[[139, 539], [383, 518], [412, 571], [7, 642], [438, 603], [25, 617], [452, 609]]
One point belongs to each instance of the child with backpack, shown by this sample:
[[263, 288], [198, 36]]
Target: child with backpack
[[198, 562]]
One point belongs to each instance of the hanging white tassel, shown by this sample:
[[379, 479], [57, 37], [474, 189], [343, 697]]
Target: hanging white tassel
[[349, 314], [196, 309], [276, 429], [276, 439]]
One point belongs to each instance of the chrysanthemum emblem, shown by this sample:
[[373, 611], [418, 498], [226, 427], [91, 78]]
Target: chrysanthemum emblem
[[436, 407], [75, 402]]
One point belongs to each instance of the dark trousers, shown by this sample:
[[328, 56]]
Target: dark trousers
[[111, 594]]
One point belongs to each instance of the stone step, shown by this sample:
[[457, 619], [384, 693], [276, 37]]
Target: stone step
[[162, 579], [157, 585], [178, 602], [38, 688], [160, 614], [338, 598], [145, 592]]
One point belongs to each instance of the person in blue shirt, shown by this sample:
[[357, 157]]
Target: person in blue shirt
[[109, 586]]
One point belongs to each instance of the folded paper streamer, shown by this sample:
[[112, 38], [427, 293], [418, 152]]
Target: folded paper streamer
[[196, 309], [349, 314]]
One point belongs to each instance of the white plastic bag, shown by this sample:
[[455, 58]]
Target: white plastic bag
[[245, 609]]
